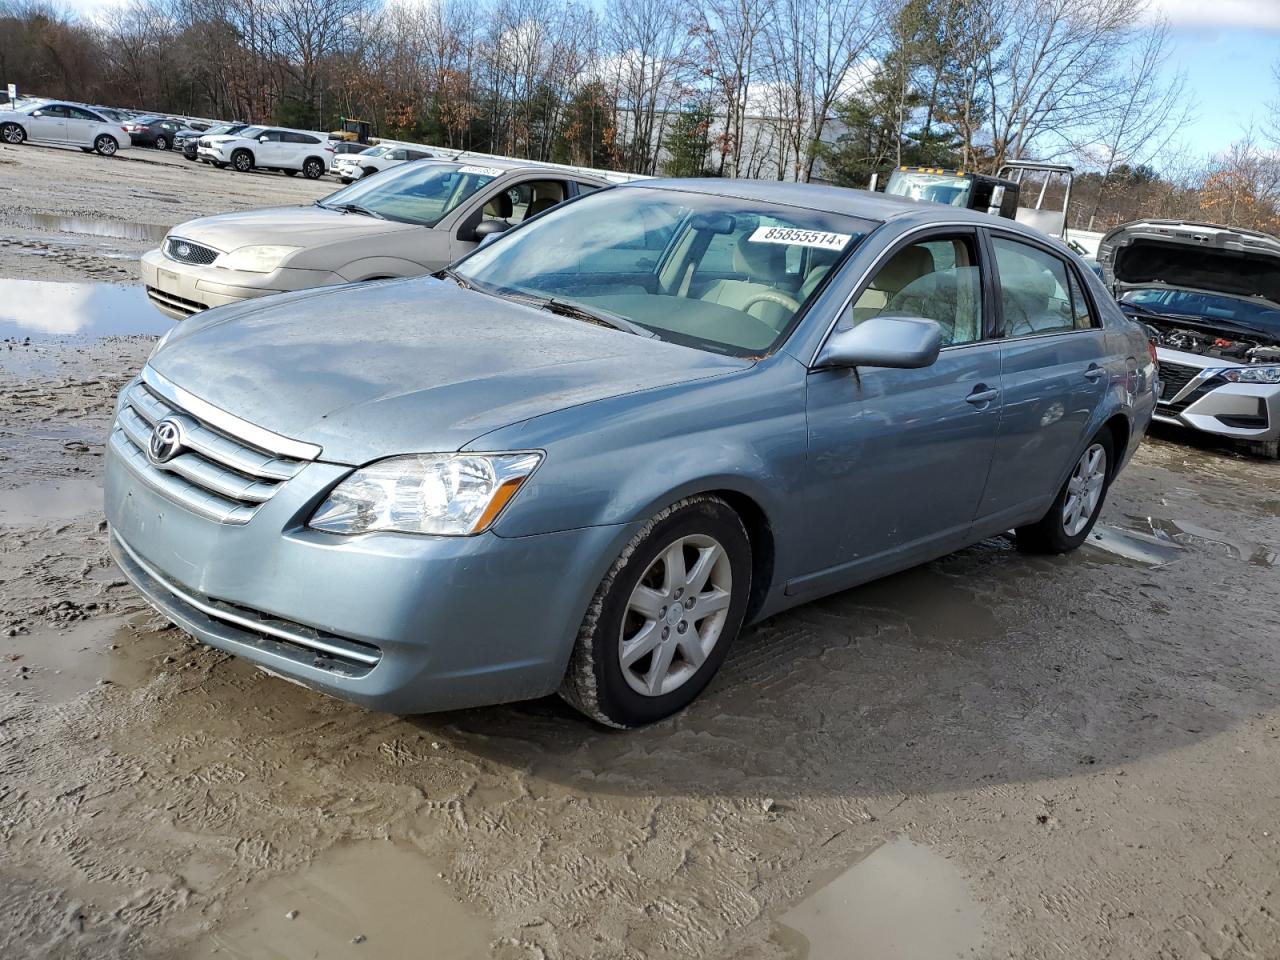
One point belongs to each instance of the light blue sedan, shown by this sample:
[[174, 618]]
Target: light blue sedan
[[585, 456]]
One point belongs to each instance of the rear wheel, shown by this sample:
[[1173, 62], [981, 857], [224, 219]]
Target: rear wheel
[[242, 160], [312, 169], [12, 133], [1076, 507], [161, 143], [663, 618], [106, 144]]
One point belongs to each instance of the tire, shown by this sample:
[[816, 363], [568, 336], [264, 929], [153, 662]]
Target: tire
[[291, 173], [106, 145], [242, 160], [12, 134], [346, 179], [219, 164], [161, 143], [597, 683], [1063, 529], [369, 171], [312, 168]]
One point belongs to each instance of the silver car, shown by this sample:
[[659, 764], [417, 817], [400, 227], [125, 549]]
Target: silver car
[[581, 459], [71, 124], [402, 223], [1211, 296]]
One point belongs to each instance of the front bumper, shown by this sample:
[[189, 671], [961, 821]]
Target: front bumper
[[180, 289], [399, 623], [1241, 411]]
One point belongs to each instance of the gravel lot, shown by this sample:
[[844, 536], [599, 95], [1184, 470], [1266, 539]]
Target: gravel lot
[[989, 756]]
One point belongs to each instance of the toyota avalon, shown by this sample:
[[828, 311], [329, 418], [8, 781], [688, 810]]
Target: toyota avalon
[[582, 458]]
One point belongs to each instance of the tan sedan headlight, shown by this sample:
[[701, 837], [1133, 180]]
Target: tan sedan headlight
[[258, 259], [446, 494]]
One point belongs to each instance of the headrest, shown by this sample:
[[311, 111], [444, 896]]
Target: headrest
[[760, 261], [909, 263], [499, 206]]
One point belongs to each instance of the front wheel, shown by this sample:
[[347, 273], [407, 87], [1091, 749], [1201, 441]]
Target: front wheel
[[161, 143], [313, 169], [242, 160], [106, 145], [13, 134], [1076, 507], [664, 616]]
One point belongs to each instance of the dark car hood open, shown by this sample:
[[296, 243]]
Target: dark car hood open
[[409, 366], [1196, 256]]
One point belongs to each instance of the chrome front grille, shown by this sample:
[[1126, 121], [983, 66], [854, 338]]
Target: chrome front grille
[[185, 251], [216, 473]]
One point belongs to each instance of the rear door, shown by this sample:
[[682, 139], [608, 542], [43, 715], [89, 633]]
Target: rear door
[[1055, 369], [898, 459], [82, 126]]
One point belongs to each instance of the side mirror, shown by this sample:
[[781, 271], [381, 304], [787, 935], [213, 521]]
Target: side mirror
[[263, 138], [906, 343], [37, 113], [489, 228]]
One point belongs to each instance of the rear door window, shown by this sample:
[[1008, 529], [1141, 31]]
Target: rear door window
[[1034, 290]]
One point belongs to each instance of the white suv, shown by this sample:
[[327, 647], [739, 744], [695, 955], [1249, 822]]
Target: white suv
[[353, 166], [270, 148]]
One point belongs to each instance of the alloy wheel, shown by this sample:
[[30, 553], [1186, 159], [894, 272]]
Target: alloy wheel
[[675, 615], [162, 143], [105, 145], [13, 133], [1084, 489]]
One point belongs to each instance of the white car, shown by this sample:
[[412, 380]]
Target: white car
[[353, 166], [270, 148], [67, 123]]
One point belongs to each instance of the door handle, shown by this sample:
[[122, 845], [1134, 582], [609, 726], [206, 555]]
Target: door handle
[[1094, 372], [982, 394]]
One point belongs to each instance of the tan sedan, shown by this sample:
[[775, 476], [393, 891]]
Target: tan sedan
[[408, 221]]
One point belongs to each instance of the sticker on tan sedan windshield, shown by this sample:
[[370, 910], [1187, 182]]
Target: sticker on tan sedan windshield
[[802, 238], [482, 171]]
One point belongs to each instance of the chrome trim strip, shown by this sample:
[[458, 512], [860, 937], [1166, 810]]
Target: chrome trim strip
[[247, 623], [242, 430], [1193, 384]]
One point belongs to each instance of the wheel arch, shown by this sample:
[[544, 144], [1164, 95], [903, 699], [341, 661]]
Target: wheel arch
[[1121, 430], [763, 547]]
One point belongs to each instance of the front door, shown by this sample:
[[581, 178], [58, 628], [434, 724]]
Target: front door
[[898, 459], [48, 123]]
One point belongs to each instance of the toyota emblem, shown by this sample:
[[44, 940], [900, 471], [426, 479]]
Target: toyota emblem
[[183, 250], [166, 441]]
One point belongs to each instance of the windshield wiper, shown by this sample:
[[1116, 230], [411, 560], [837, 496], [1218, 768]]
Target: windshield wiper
[[356, 208], [567, 308], [451, 274]]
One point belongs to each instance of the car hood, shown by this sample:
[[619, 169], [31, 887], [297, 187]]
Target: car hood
[[286, 226], [1196, 256], [409, 366]]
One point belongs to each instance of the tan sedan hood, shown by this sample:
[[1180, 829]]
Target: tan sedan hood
[[288, 226]]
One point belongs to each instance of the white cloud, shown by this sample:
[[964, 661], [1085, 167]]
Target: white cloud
[[1252, 14]]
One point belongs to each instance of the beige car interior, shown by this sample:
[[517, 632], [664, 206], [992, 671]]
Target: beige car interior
[[535, 196], [936, 279], [772, 295]]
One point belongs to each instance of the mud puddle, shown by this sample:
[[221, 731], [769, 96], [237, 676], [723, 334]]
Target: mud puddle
[[37, 503], [90, 226], [52, 665], [902, 902], [373, 899], [41, 308], [1184, 531], [1134, 546]]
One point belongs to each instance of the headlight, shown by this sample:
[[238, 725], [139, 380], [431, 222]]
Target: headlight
[[261, 259], [1252, 374], [446, 494]]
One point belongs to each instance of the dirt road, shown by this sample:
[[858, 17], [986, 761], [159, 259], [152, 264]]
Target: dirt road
[[989, 756]]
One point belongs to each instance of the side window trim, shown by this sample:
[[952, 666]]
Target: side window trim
[[1067, 266]]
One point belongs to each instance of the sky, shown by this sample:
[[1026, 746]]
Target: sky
[[1227, 49]]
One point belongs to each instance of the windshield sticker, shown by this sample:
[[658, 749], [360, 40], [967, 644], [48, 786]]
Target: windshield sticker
[[482, 171], [802, 238]]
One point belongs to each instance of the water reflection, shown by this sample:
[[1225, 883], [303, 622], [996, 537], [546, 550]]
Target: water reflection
[[91, 226], [43, 308]]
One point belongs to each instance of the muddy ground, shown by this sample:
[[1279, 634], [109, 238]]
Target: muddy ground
[[989, 756]]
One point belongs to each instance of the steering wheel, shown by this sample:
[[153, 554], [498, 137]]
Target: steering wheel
[[771, 296]]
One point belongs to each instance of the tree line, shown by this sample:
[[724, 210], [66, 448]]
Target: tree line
[[788, 89]]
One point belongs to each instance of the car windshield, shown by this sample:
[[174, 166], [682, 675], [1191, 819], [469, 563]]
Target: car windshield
[[951, 190], [219, 129], [251, 132], [1259, 315], [415, 193], [374, 151], [719, 273]]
